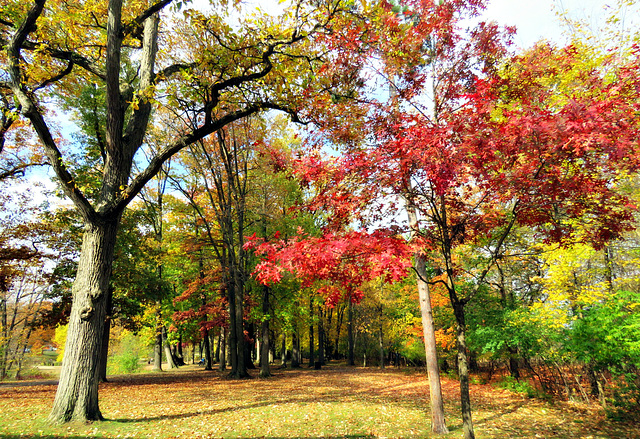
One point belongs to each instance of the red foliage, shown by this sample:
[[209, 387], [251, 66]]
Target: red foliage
[[346, 260]]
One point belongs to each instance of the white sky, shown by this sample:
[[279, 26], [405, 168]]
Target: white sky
[[537, 19]]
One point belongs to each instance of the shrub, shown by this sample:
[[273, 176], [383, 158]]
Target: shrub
[[127, 354]]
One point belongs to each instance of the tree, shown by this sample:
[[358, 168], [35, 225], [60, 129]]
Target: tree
[[537, 140], [52, 46]]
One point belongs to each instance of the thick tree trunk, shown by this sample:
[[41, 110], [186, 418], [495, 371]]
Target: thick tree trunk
[[77, 394], [463, 371], [295, 354], [167, 349], [104, 354], [283, 351]]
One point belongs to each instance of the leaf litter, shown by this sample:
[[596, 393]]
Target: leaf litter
[[335, 402]]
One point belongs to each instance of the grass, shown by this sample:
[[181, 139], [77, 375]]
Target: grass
[[331, 403]]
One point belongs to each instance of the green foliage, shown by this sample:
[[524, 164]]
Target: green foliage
[[127, 354], [520, 386], [608, 338]]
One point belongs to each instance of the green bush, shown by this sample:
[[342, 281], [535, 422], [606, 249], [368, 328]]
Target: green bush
[[525, 387], [127, 355]]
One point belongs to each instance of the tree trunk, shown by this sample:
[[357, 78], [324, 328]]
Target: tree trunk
[[514, 369], [438, 424], [380, 340], [265, 368], [77, 394], [241, 371], [312, 352], [321, 336], [157, 346], [352, 360], [207, 350], [167, 349], [463, 370], [232, 353], [216, 358], [104, 354], [339, 319], [295, 355], [223, 349]]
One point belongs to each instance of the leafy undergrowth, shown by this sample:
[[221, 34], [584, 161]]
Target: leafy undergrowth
[[331, 403]]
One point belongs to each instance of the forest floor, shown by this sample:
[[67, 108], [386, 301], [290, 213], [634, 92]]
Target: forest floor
[[335, 402]]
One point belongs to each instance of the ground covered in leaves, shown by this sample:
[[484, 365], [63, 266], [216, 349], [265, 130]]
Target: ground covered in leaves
[[335, 402]]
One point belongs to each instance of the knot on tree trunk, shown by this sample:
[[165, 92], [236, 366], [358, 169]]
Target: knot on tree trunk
[[86, 313]]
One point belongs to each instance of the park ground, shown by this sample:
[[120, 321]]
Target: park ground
[[335, 402]]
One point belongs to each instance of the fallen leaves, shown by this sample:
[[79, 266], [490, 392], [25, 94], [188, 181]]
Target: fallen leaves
[[333, 403]]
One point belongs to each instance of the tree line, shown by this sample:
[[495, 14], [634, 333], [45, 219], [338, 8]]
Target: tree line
[[201, 215]]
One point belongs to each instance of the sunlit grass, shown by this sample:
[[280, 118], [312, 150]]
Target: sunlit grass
[[331, 403]]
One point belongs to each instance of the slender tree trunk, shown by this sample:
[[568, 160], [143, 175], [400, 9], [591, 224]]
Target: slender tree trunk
[[352, 360], [321, 335], [380, 340], [339, 319], [463, 370], [265, 367], [77, 394], [223, 349], [233, 335], [312, 352], [241, 371], [157, 346], [438, 424], [5, 332]]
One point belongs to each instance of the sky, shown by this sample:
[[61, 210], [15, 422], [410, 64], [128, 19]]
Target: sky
[[534, 20], [537, 19]]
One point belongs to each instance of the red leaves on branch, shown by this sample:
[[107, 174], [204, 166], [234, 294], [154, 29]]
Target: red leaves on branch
[[345, 261]]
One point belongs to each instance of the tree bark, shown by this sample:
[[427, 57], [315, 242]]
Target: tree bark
[[167, 349], [380, 340], [352, 360], [207, 351], [265, 368], [463, 370], [104, 354], [312, 352], [321, 335], [295, 354], [223, 349], [438, 423], [157, 346], [77, 394]]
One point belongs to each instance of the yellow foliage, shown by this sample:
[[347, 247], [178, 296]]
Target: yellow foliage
[[60, 339]]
